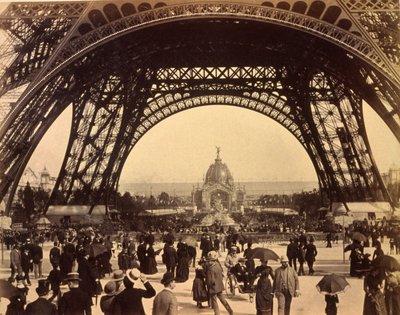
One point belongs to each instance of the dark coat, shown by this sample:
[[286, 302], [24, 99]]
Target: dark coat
[[264, 296], [41, 307], [170, 257], [37, 254], [291, 251], [107, 304], [214, 277], [311, 252], [129, 301], [75, 302], [54, 255], [88, 275]]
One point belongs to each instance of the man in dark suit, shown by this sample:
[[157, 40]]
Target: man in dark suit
[[129, 301], [75, 301], [165, 302], [55, 254], [41, 306], [37, 258], [170, 257]]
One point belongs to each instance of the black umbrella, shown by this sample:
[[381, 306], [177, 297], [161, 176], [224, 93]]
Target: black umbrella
[[96, 249], [387, 262], [263, 254], [359, 237], [332, 284], [7, 290]]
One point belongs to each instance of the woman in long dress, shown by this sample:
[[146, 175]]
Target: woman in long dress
[[374, 301], [150, 264], [264, 294], [182, 270]]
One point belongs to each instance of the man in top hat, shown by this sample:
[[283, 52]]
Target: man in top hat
[[286, 286], [129, 301], [75, 301], [214, 282], [165, 302], [41, 306]]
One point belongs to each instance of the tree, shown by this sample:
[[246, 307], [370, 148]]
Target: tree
[[28, 201]]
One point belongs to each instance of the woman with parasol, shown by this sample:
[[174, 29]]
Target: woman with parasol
[[374, 300], [331, 285]]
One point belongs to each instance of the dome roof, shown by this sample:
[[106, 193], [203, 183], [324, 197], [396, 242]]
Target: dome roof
[[218, 173]]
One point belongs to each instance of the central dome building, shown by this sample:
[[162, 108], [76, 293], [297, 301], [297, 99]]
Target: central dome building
[[218, 192]]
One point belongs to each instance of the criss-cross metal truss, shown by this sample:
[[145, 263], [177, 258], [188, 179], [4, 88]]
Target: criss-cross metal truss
[[125, 66]]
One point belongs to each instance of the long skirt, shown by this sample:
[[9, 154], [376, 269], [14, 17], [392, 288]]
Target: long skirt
[[374, 304], [150, 266], [182, 270]]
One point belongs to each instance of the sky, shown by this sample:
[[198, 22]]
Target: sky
[[181, 148]]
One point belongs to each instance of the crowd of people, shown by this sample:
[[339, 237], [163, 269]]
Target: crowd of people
[[81, 257]]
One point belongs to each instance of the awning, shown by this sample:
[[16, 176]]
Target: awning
[[72, 210], [361, 207]]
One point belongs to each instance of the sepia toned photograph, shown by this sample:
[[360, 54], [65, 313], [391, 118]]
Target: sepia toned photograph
[[208, 157]]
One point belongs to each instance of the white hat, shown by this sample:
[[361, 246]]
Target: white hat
[[133, 274], [284, 259]]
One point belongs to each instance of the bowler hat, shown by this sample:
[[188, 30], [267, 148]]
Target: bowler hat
[[110, 288], [167, 278], [118, 275], [284, 258], [43, 287], [133, 274], [73, 276]]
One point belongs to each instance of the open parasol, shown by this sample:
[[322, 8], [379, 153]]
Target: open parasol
[[358, 237], [332, 284], [7, 290], [263, 254], [387, 262], [96, 249]]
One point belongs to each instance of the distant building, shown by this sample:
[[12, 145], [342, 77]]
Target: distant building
[[218, 193], [40, 179]]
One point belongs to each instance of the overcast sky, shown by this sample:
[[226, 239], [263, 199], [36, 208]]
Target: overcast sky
[[181, 148]]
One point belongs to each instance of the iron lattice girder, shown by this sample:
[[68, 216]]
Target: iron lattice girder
[[84, 75]]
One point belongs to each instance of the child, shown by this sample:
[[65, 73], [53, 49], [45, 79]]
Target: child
[[331, 301], [199, 290]]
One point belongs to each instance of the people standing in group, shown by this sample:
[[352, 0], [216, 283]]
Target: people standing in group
[[165, 302], [75, 301], [286, 286], [291, 253], [356, 256], [214, 282], [311, 253], [129, 301], [41, 306], [205, 245]]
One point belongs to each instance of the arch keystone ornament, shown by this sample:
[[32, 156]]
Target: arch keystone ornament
[[124, 66]]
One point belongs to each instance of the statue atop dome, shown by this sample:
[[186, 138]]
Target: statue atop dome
[[218, 193]]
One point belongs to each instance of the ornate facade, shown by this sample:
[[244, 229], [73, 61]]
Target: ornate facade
[[219, 193]]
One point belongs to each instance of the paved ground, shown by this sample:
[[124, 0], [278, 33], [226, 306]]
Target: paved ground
[[329, 260]]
